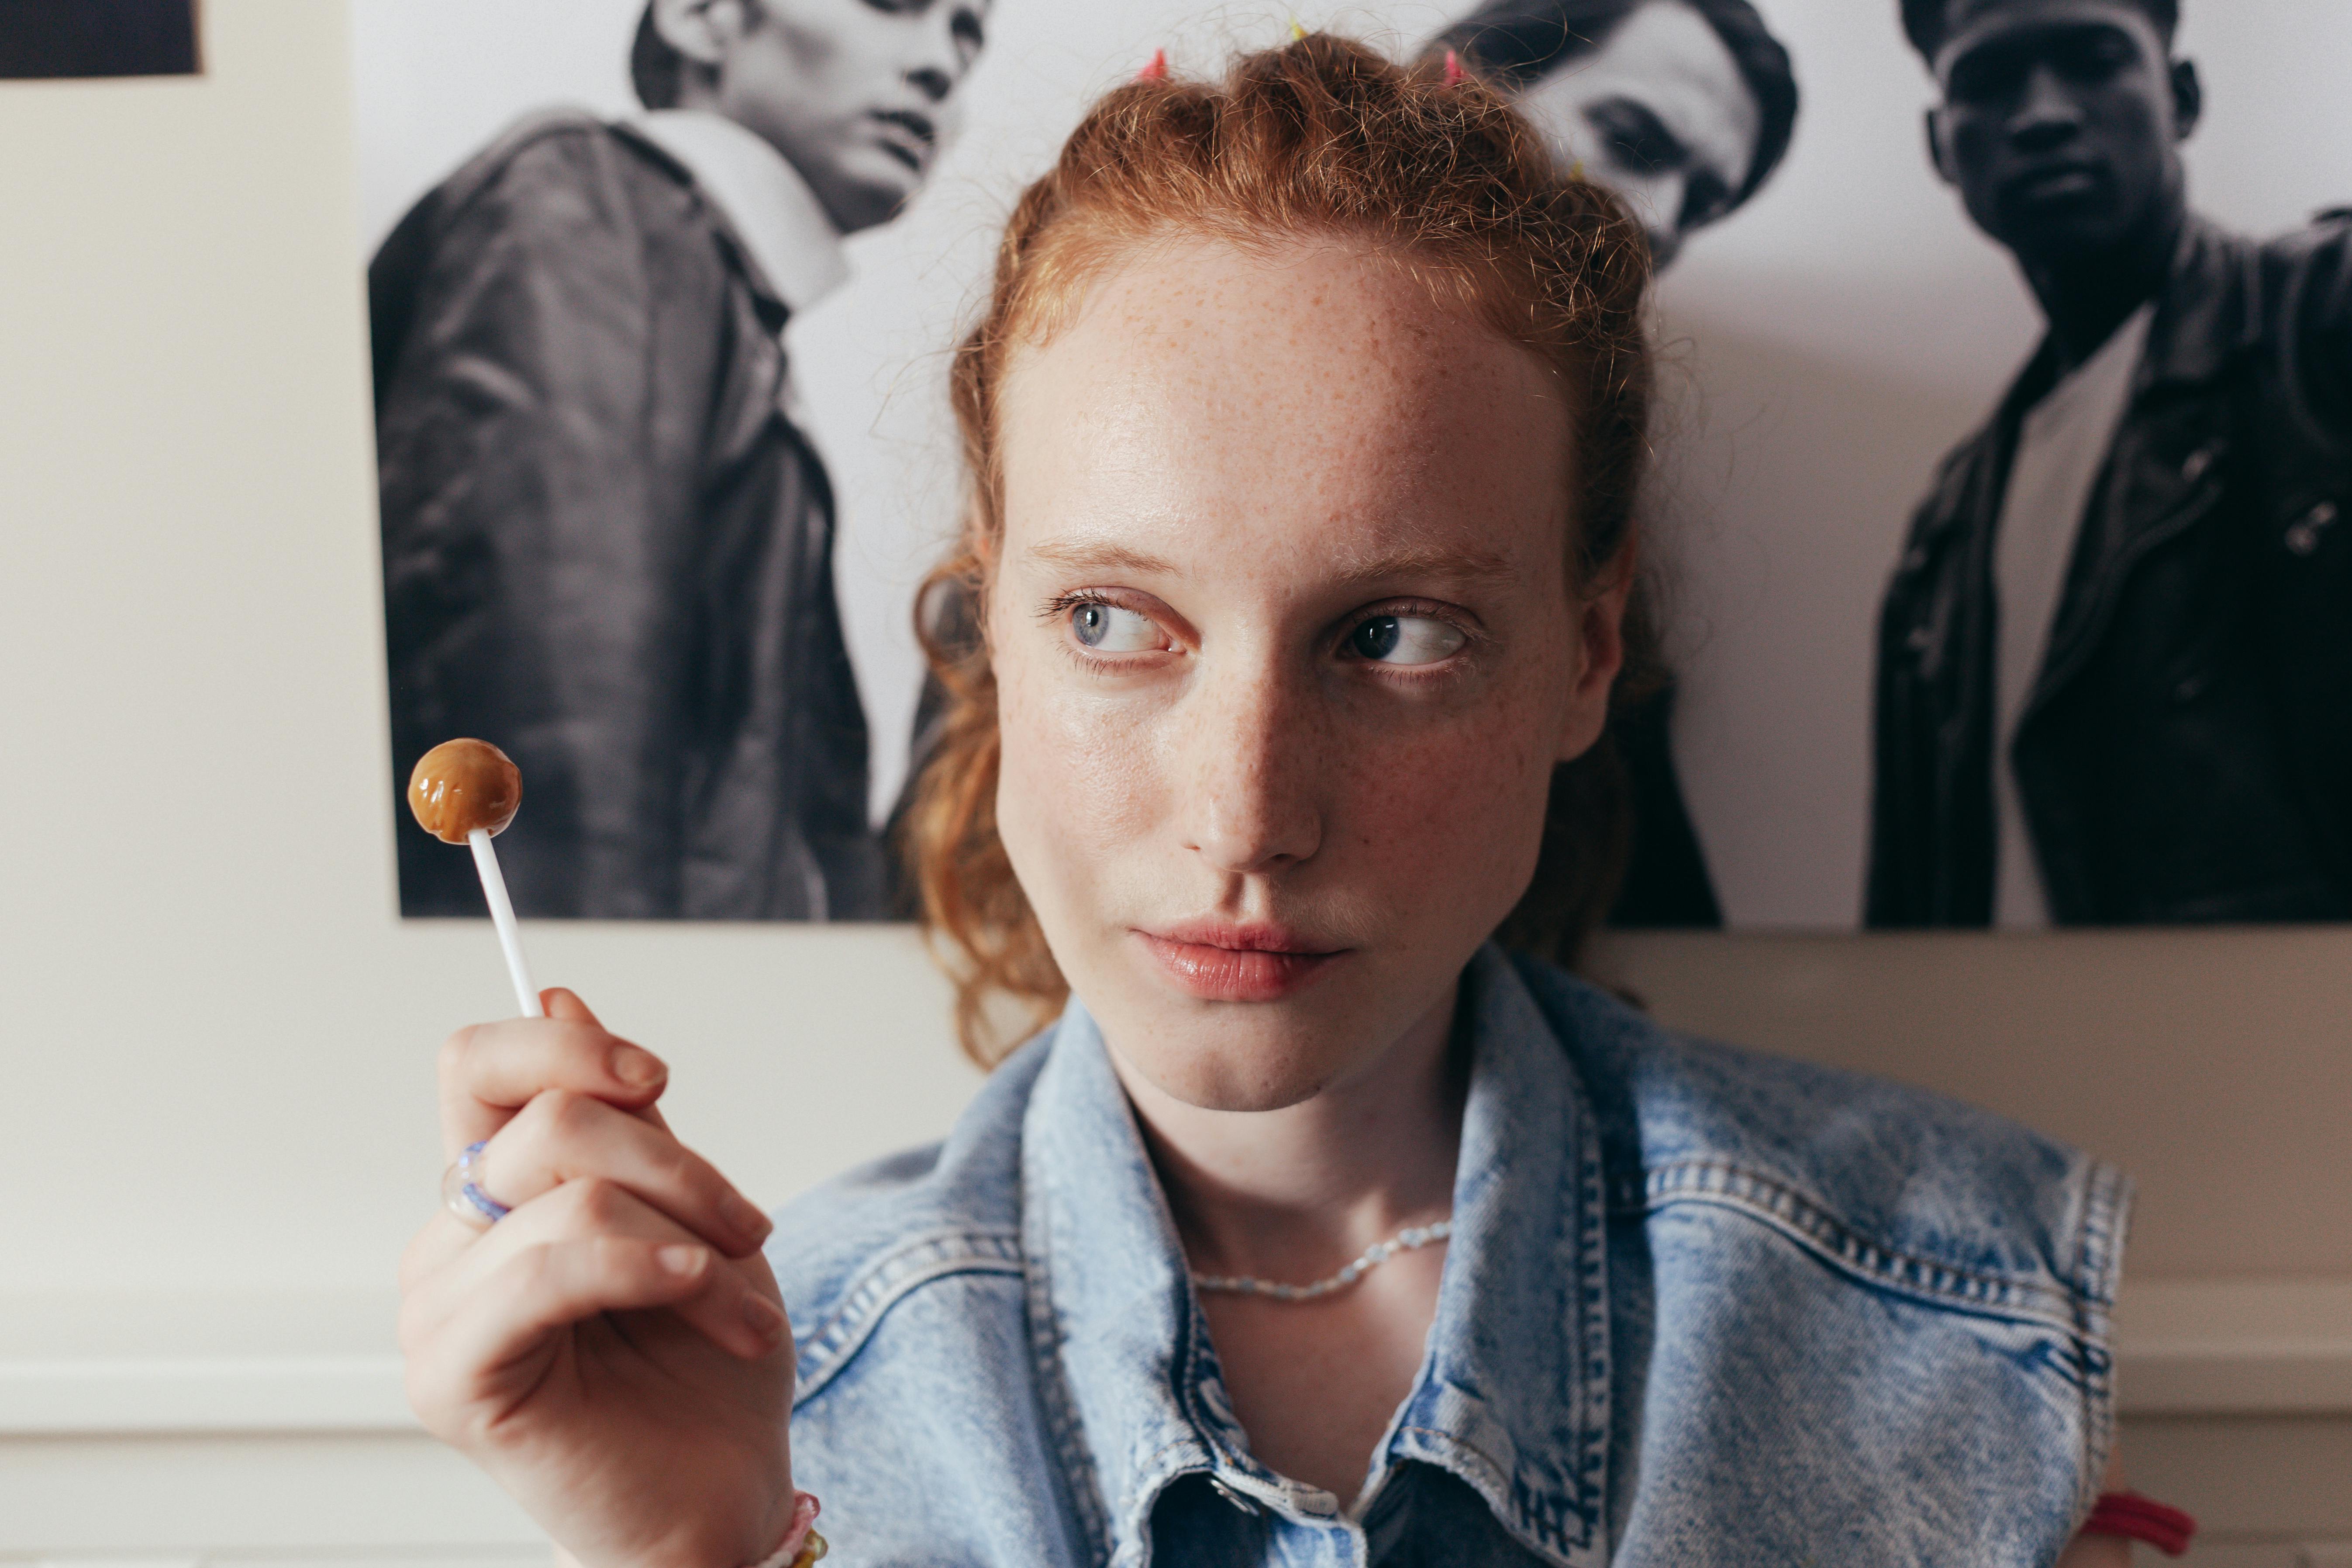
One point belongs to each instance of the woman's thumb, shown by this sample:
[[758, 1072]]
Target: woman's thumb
[[564, 1005]]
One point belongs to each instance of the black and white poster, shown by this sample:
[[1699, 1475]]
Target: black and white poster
[[1998, 523]]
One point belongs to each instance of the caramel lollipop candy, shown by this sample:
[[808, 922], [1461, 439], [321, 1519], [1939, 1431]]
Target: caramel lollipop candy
[[463, 792]]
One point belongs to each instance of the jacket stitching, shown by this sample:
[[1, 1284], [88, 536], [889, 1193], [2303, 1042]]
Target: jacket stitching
[[1784, 1208], [838, 1335], [1063, 1423], [2106, 1206], [1591, 1374]]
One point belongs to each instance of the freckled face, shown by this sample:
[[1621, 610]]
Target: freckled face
[[1285, 656]]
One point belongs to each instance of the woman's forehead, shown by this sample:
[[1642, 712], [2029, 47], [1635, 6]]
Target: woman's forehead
[[1313, 397], [1313, 355]]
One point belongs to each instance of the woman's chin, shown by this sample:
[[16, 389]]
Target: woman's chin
[[1252, 1069]]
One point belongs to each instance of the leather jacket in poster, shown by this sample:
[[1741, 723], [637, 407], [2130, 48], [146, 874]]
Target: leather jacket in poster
[[2185, 751], [607, 548]]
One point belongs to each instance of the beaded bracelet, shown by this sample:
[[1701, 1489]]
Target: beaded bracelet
[[803, 1546]]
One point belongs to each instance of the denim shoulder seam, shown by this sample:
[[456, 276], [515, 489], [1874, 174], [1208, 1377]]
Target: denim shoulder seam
[[1060, 1405], [836, 1337], [2080, 1311], [2102, 1226]]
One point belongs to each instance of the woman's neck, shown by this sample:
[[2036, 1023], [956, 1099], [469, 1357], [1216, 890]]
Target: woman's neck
[[1292, 1195]]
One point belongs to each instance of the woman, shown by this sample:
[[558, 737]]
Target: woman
[[1289, 648]]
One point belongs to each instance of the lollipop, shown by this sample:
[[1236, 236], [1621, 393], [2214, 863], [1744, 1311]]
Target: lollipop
[[462, 793]]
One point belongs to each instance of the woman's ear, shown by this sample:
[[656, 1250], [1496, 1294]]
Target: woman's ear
[[1601, 655]]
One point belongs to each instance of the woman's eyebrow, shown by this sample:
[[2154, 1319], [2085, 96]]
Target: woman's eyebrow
[[1466, 566], [1100, 557]]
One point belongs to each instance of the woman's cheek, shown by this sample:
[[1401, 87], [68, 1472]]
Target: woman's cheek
[[1074, 785], [1457, 814]]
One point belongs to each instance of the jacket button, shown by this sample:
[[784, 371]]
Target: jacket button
[[2303, 537], [1921, 639], [2199, 461]]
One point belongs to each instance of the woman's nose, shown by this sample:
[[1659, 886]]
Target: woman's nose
[[1251, 760]]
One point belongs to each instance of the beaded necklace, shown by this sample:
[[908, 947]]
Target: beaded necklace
[[1379, 1252]]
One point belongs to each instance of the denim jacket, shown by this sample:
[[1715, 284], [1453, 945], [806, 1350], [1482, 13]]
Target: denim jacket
[[1700, 1306]]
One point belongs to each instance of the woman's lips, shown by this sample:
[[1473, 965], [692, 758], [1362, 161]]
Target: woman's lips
[[1243, 968]]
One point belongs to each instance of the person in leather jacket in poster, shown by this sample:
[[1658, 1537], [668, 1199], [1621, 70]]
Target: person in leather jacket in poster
[[2115, 662], [607, 538]]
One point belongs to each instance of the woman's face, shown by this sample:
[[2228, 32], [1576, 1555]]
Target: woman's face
[[1285, 654], [1658, 113]]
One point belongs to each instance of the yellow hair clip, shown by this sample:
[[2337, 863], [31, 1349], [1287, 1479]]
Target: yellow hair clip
[[1297, 32]]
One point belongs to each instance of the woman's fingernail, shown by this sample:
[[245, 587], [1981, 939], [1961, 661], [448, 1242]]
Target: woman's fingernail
[[682, 1260], [638, 1069], [745, 1215], [767, 1319]]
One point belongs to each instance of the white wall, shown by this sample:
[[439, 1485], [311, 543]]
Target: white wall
[[215, 1118]]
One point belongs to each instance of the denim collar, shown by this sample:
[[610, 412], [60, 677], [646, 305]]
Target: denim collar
[[1513, 1394]]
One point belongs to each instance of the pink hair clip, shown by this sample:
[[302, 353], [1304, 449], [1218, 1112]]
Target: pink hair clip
[[1156, 69], [1453, 71]]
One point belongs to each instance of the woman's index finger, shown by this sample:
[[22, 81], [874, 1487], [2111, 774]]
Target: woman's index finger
[[491, 1071]]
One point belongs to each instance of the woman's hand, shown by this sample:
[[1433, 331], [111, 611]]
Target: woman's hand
[[612, 1351]]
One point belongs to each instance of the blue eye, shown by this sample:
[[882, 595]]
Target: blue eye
[[1405, 640], [1107, 628]]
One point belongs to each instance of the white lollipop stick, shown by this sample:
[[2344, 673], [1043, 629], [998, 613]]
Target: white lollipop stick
[[494, 889]]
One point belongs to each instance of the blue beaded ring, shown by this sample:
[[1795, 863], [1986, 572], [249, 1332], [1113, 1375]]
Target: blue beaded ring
[[465, 1197]]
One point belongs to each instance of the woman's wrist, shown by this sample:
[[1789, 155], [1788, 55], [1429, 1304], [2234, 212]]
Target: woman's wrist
[[780, 1525], [802, 1545], [772, 1541]]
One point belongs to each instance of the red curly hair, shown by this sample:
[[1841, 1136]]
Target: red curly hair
[[1320, 138]]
